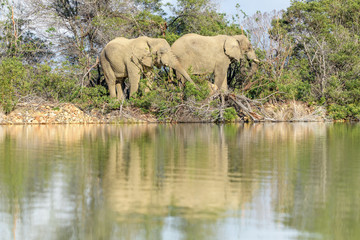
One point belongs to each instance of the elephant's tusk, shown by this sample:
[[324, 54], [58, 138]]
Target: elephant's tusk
[[256, 60]]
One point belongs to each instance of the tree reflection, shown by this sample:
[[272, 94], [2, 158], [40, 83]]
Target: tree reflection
[[151, 181]]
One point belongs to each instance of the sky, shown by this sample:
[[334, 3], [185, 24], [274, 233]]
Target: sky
[[248, 6], [251, 6]]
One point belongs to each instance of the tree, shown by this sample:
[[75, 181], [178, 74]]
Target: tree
[[273, 52], [131, 19], [201, 17], [325, 34], [17, 36]]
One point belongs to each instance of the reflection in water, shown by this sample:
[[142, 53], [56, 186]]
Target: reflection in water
[[172, 170], [193, 181]]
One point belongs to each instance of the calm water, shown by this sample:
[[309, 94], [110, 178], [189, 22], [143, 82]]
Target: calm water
[[260, 181]]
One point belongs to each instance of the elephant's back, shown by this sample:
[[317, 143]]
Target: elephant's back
[[188, 39], [116, 48], [196, 51], [194, 43]]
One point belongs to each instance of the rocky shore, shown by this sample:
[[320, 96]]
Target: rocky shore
[[67, 113]]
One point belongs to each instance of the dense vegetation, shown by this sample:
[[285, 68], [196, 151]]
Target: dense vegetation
[[309, 52]]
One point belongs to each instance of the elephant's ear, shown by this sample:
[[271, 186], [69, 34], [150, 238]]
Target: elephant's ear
[[143, 55], [232, 48]]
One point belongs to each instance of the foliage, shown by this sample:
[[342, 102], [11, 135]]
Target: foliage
[[21, 81], [190, 16], [310, 52], [16, 37], [275, 74], [12, 75], [326, 50], [348, 112], [164, 98], [88, 98], [200, 91], [230, 114]]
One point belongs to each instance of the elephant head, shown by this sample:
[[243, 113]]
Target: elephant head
[[239, 48], [157, 51], [247, 52]]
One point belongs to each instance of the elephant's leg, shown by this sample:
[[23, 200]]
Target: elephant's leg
[[110, 77], [224, 86], [171, 75], [119, 91], [180, 78], [134, 78], [212, 87], [149, 80], [221, 77], [111, 86]]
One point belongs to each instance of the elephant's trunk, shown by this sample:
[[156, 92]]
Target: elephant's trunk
[[175, 64], [182, 71], [251, 56], [254, 67]]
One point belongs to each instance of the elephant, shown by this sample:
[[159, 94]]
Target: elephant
[[213, 54], [125, 58]]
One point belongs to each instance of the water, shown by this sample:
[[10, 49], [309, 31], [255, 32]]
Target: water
[[191, 181]]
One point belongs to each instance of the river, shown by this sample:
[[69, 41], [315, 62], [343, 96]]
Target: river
[[185, 181]]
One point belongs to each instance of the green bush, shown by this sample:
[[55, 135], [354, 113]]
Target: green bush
[[88, 98], [164, 97], [147, 100], [230, 114], [295, 89], [58, 83], [14, 84], [199, 92], [159, 101], [347, 112], [289, 86], [337, 112]]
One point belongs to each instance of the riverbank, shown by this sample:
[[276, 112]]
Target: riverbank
[[68, 113]]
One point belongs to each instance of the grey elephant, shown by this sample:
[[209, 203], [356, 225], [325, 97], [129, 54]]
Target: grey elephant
[[213, 54], [125, 58]]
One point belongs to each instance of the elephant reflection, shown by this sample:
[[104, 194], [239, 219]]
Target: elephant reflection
[[145, 173]]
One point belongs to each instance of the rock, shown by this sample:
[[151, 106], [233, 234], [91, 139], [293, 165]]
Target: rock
[[66, 113]]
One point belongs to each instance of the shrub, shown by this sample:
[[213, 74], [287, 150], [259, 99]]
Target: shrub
[[165, 98], [57, 84], [88, 98], [347, 112], [230, 114], [200, 91], [13, 79]]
